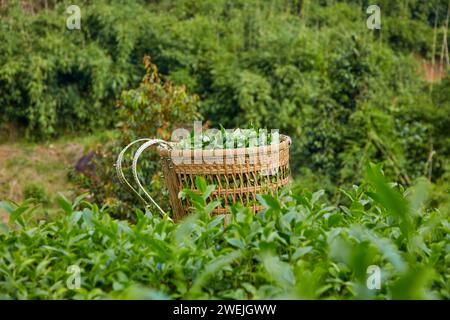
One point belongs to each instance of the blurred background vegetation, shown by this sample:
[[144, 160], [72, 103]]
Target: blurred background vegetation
[[346, 94]]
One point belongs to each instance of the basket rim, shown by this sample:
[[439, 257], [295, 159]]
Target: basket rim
[[285, 142]]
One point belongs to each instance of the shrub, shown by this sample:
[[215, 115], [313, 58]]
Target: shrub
[[153, 110], [299, 247], [37, 192], [55, 80]]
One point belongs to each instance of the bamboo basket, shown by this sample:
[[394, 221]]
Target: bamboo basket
[[239, 174]]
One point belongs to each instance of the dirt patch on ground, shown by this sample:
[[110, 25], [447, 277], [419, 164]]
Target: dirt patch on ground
[[46, 166]]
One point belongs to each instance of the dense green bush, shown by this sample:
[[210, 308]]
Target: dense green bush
[[311, 69], [154, 109], [55, 80], [344, 96], [299, 247]]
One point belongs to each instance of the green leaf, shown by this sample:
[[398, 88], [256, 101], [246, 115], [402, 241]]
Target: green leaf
[[236, 243], [269, 201], [16, 215], [316, 196], [302, 200], [216, 221], [209, 189], [194, 196], [388, 197], [280, 271], [211, 206], [64, 203], [200, 183], [300, 252]]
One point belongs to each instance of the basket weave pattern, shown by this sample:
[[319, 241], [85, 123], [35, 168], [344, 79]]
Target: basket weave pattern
[[239, 174]]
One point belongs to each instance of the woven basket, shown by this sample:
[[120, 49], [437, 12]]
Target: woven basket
[[239, 174]]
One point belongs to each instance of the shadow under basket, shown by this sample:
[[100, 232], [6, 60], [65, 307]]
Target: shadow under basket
[[238, 174]]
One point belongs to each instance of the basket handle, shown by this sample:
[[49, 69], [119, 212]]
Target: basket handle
[[121, 176]]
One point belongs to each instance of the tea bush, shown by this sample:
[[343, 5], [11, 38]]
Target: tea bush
[[345, 94], [301, 246]]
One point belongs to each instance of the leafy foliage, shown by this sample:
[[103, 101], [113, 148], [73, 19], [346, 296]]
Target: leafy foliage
[[237, 138], [345, 94], [299, 247], [154, 109], [311, 69]]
